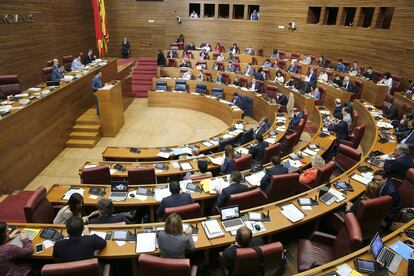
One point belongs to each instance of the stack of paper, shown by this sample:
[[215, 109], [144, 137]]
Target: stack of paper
[[217, 160], [384, 125], [99, 234], [212, 229], [35, 89], [361, 179], [292, 213], [254, 179], [165, 155], [242, 151], [218, 183], [145, 242], [179, 151], [337, 194], [185, 166], [239, 126], [69, 193], [309, 152], [227, 136], [207, 144], [160, 193]]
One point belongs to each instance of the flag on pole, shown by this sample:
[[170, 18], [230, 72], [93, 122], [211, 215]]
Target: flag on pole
[[101, 28]]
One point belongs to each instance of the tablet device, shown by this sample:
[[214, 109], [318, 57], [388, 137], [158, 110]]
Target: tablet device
[[365, 266]]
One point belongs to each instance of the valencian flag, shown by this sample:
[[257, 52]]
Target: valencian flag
[[101, 28]]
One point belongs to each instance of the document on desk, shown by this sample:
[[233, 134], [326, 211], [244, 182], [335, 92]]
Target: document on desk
[[165, 155], [217, 160], [212, 229], [254, 179], [292, 213], [361, 179], [89, 166], [242, 151], [69, 193], [145, 242], [309, 152], [160, 193], [185, 166], [239, 126], [227, 136], [98, 233], [218, 183], [281, 129], [207, 144]]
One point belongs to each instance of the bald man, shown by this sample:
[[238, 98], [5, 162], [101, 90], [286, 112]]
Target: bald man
[[243, 239]]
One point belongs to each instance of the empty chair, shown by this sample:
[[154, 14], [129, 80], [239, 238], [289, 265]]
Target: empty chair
[[406, 190], [217, 92], [47, 74], [281, 63], [243, 82], [161, 86], [201, 88], [294, 55], [249, 199], [270, 151], [271, 91], [226, 78], [88, 267], [180, 85], [247, 261], [172, 62], [96, 175], [283, 186], [323, 248], [9, 85], [299, 68], [188, 211], [346, 157], [355, 117], [49, 63], [141, 176], [282, 55], [396, 81], [356, 137], [243, 163], [38, 209], [67, 62], [289, 143], [247, 106], [157, 266]]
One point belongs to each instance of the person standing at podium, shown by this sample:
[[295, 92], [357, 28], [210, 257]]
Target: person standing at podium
[[96, 85]]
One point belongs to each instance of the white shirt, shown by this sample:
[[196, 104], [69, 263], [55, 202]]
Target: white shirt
[[306, 60], [194, 15], [323, 77], [220, 58], [386, 82], [280, 79]]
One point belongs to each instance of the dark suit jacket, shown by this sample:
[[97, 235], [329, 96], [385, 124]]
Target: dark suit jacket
[[56, 75], [258, 150], [340, 129], [389, 189], [258, 86], [173, 201], [313, 78], [238, 101], [229, 254], [399, 166], [338, 109], [259, 76], [267, 178], [296, 119], [391, 113], [262, 129], [227, 166], [77, 248], [282, 100], [234, 188], [220, 79], [293, 69], [88, 59], [115, 218], [349, 87], [369, 76]]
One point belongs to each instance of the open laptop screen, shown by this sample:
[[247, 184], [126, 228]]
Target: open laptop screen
[[376, 245], [119, 187], [229, 213]]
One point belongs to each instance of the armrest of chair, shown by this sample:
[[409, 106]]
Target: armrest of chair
[[336, 221], [322, 238], [193, 270], [106, 270], [347, 143]]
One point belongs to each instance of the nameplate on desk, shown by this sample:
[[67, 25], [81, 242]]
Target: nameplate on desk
[[16, 18]]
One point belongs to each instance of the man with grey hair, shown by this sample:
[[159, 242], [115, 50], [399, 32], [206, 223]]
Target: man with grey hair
[[106, 210], [398, 163]]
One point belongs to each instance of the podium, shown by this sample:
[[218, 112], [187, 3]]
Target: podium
[[111, 108]]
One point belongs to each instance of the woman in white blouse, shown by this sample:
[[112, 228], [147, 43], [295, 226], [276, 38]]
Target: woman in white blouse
[[387, 80], [73, 208], [279, 77]]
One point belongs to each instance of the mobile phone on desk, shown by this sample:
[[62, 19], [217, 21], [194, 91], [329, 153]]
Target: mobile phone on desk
[[366, 266], [39, 248]]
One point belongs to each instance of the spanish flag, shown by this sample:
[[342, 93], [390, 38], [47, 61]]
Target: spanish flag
[[101, 28]]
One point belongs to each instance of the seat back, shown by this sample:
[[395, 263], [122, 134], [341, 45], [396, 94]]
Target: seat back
[[355, 117], [49, 63], [289, 142], [305, 115], [47, 74], [246, 136], [172, 62], [67, 62], [359, 85], [243, 163], [396, 81], [38, 209], [370, 214], [96, 175], [295, 55], [271, 91], [326, 172], [243, 81], [248, 106], [347, 157], [270, 151], [299, 68], [187, 211], [180, 85], [141, 176], [406, 190], [358, 134], [225, 142], [283, 186], [281, 63], [322, 93], [217, 92], [201, 88], [406, 107], [9, 85], [161, 85], [349, 238], [247, 200], [347, 65], [226, 78], [282, 55], [88, 267], [247, 260], [157, 266]]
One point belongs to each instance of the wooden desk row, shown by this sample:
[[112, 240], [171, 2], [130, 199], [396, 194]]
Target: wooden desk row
[[400, 98]]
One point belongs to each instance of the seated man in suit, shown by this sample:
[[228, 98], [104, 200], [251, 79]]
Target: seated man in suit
[[55, 64], [309, 81], [297, 115], [337, 82], [339, 126], [260, 75], [57, 73], [281, 99], [237, 99], [277, 169], [341, 66], [338, 106], [106, 213], [89, 57], [369, 74], [408, 138], [347, 85], [397, 165], [219, 78], [77, 247], [257, 149], [249, 71], [231, 68], [254, 86], [237, 82], [390, 110], [243, 240], [174, 200], [77, 64], [293, 68], [262, 126], [234, 188]]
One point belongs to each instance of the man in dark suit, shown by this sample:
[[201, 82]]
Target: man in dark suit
[[96, 85], [297, 116], [277, 169], [408, 138], [106, 213], [57, 73], [281, 99], [254, 85], [259, 75], [237, 100], [293, 68], [174, 200], [390, 111], [399, 163], [262, 127], [339, 126], [338, 106], [89, 57], [77, 247], [234, 188], [347, 85], [243, 240], [369, 74], [257, 150], [309, 81]]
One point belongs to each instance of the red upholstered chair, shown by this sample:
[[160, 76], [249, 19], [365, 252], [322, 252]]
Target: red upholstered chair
[[323, 248], [282, 55], [47, 74], [330, 74], [49, 63], [299, 66], [359, 85], [323, 176], [237, 67], [322, 93], [294, 55], [243, 163], [270, 151], [141, 176], [396, 81], [67, 62], [254, 61], [247, 261], [297, 77], [283, 186], [88, 267], [281, 64], [243, 81], [406, 190], [328, 62], [157, 266], [355, 117], [271, 91], [346, 157], [96, 175], [237, 59], [313, 60], [9, 85], [38, 209], [377, 76], [226, 78], [249, 199], [356, 137], [260, 52], [207, 74], [347, 65], [201, 63], [289, 143], [406, 108], [172, 62], [188, 211]]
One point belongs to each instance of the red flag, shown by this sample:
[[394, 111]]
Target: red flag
[[101, 29]]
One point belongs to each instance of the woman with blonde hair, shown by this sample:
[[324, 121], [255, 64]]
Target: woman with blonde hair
[[310, 174], [173, 242]]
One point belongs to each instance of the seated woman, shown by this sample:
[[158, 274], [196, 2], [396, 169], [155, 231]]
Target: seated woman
[[235, 49], [9, 253], [310, 174], [106, 213], [220, 58], [200, 76], [202, 55], [267, 63], [202, 171], [228, 164], [173, 242], [73, 208], [186, 75], [219, 48], [279, 78]]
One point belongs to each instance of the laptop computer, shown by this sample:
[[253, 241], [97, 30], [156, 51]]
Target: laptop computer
[[119, 191], [230, 218], [383, 255]]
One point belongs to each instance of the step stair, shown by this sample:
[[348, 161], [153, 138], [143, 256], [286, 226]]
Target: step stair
[[86, 132]]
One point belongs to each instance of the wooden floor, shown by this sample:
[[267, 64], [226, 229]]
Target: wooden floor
[[144, 127]]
